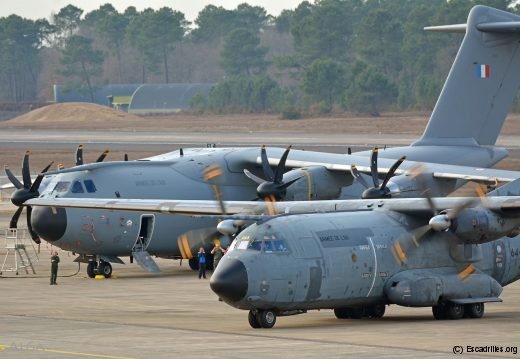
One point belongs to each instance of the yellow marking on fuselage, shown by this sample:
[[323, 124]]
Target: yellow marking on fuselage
[[399, 251], [467, 272], [187, 249], [179, 244], [309, 184]]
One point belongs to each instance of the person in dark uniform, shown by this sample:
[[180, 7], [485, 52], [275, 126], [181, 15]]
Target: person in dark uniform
[[54, 267], [202, 263], [218, 252]]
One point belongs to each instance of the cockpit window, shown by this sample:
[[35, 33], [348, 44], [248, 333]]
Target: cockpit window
[[268, 243], [90, 186], [277, 245], [77, 187], [61, 187]]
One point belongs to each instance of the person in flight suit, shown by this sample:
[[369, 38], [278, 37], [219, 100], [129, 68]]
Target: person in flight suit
[[218, 252], [54, 267]]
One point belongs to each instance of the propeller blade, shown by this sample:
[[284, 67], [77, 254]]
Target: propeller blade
[[126, 157], [14, 219], [287, 184], [402, 247], [34, 236], [280, 169], [26, 172], [39, 178], [12, 178], [357, 176], [181, 152], [211, 174], [373, 167], [270, 202], [103, 155], [268, 172], [79, 155], [453, 213], [256, 179], [391, 172]]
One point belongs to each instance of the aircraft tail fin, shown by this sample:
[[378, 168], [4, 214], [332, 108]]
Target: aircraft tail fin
[[482, 83]]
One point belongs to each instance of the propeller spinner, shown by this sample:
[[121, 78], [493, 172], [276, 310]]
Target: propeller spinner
[[378, 191], [273, 186]]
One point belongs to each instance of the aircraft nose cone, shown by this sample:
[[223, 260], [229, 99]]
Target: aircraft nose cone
[[50, 224], [229, 281]]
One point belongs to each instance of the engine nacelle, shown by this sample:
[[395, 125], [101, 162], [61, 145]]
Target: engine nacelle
[[481, 225], [315, 183], [424, 288]]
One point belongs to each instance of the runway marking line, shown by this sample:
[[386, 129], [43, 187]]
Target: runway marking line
[[64, 352]]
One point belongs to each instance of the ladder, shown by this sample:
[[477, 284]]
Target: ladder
[[16, 244]]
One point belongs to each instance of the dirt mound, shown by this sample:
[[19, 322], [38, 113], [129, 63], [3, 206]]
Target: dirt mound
[[72, 112]]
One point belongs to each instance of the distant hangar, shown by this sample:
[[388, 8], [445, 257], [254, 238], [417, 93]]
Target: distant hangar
[[139, 98]]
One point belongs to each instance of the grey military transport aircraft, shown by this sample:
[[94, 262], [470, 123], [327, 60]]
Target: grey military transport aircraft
[[356, 256], [457, 145]]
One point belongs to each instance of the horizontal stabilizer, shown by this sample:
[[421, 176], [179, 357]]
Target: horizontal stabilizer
[[509, 27], [447, 28]]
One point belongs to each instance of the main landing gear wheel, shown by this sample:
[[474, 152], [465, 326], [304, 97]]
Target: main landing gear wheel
[[474, 310], [91, 269], [105, 269], [342, 313], [370, 311], [456, 311], [262, 319], [253, 320], [375, 311], [194, 263]]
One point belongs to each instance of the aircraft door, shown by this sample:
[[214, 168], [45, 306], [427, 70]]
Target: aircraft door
[[145, 232]]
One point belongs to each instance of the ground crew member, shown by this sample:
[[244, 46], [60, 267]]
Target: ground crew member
[[54, 267], [218, 252], [202, 263]]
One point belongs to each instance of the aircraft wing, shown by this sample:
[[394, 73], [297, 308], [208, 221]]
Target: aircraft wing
[[256, 209], [438, 170]]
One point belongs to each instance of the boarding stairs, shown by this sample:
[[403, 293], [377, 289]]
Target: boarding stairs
[[20, 252]]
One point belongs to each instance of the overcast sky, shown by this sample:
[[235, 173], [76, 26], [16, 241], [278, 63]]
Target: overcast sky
[[35, 9]]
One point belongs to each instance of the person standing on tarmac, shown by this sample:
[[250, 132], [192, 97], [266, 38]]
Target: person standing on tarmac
[[202, 263], [54, 267], [218, 252]]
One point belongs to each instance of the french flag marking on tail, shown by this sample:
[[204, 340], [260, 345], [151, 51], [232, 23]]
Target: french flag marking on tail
[[483, 71]]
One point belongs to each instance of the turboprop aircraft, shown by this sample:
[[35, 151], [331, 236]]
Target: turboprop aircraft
[[457, 145], [356, 256]]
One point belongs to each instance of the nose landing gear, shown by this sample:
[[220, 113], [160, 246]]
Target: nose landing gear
[[102, 268]]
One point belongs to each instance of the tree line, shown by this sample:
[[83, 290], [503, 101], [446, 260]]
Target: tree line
[[326, 56]]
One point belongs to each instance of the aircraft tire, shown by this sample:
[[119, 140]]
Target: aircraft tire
[[253, 320], [357, 312], [342, 313], [194, 263], [105, 269], [266, 318], [454, 311], [438, 312], [91, 269], [474, 310], [375, 311]]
